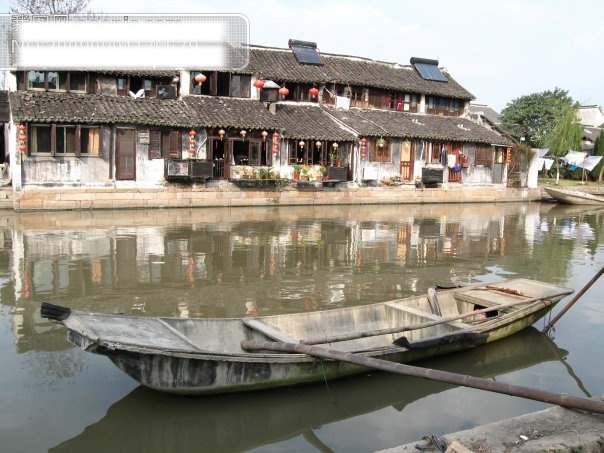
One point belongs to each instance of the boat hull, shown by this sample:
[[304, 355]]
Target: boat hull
[[203, 373], [575, 197]]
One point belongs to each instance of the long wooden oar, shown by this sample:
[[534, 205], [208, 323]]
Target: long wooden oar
[[428, 373], [399, 329], [572, 301]]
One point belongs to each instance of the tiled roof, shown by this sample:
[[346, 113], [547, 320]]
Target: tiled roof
[[281, 65], [310, 121], [304, 121], [45, 107], [408, 125]]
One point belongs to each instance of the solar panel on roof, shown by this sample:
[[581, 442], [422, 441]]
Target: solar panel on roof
[[430, 72], [307, 55]]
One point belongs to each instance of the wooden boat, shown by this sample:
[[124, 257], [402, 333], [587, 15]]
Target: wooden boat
[[205, 355], [568, 196], [159, 422]]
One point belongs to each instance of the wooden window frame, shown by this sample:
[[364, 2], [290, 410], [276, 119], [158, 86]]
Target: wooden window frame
[[484, 155], [165, 144], [380, 154]]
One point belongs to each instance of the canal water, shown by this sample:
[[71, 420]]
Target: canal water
[[249, 261]]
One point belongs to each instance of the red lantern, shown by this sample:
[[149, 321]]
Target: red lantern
[[314, 92], [22, 147], [275, 135], [259, 83], [200, 78], [21, 127], [283, 91], [191, 142], [192, 133]]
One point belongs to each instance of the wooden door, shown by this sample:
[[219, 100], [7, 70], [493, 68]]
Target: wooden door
[[406, 160], [125, 155]]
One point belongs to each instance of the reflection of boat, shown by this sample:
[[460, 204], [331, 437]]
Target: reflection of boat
[[204, 355], [148, 421], [567, 196]]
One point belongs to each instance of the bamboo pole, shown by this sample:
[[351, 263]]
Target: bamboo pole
[[572, 301], [563, 400], [355, 335]]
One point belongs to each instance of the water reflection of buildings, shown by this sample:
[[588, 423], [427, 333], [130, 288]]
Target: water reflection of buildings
[[203, 263]]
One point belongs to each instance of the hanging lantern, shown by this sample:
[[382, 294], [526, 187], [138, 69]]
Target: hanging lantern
[[381, 142], [301, 143], [200, 78], [264, 135], [258, 83], [221, 133], [243, 134], [275, 143], [192, 133], [335, 145], [22, 138], [363, 155], [318, 144], [283, 91], [314, 92]]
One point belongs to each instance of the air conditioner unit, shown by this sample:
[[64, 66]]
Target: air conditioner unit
[[165, 91]]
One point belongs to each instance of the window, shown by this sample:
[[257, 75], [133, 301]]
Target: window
[[90, 140], [444, 106], [164, 144], [77, 81], [53, 81], [222, 84], [40, 141], [434, 154], [57, 81], [36, 80], [240, 86], [483, 156], [65, 140], [380, 150]]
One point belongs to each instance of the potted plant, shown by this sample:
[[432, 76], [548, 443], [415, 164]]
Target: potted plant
[[322, 173], [332, 156], [297, 170], [306, 173], [237, 172], [249, 173]]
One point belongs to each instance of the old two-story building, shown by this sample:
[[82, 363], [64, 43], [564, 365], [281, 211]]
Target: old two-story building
[[376, 121]]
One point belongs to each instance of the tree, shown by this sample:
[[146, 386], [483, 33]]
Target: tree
[[48, 6], [535, 115], [565, 136]]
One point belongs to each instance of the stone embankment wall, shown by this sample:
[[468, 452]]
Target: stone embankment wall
[[202, 196]]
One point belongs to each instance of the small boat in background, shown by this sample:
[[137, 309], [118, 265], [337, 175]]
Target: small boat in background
[[206, 355], [568, 196]]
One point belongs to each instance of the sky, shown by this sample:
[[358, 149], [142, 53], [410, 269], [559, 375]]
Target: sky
[[498, 50]]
